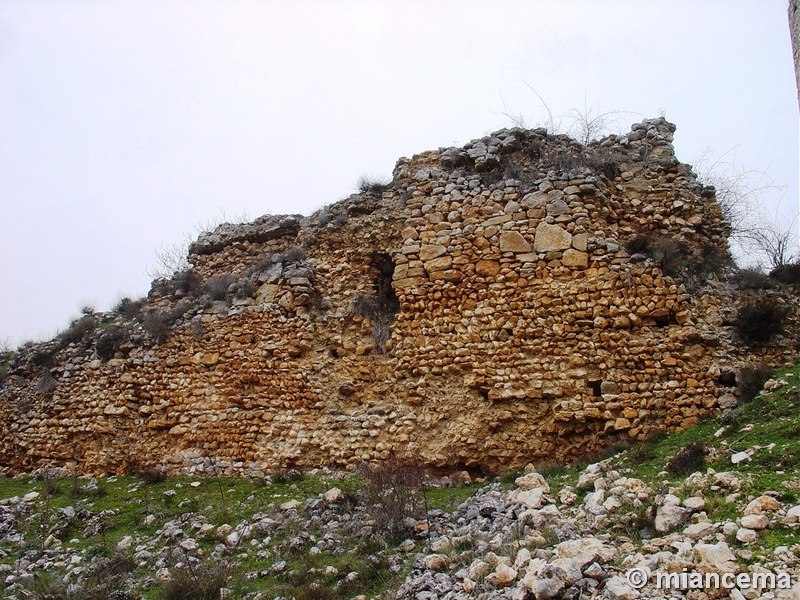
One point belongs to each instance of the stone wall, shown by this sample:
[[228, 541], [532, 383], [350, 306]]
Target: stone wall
[[482, 311]]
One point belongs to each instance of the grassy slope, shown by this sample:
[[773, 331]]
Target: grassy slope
[[769, 425]]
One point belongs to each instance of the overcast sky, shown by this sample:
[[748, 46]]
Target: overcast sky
[[124, 124]]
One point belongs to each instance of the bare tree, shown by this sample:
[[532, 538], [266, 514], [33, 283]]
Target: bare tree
[[740, 193], [585, 125], [174, 258], [774, 240]]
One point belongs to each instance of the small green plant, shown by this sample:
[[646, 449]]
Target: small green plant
[[759, 320]]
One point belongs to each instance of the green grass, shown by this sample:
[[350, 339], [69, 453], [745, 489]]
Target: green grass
[[119, 506]]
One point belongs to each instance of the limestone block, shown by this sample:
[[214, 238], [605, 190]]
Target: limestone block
[[267, 293], [487, 268], [438, 264], [513, 241], [574, 258], [580, 241], [551, 238], [430, 251], [534, 200]]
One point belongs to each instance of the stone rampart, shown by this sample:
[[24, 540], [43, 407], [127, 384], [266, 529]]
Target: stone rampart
[[486, 309]]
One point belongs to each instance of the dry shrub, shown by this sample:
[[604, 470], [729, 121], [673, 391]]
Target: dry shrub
[[788, 274], [758, 320], [129, 309], [201, 582], [217, 287], [381, 310], [751, 380], [753, 279], [157, 325], [394, 489], [669, 254], [370, 185], [294, 255], [690, 459], [78, 330], [110, 342]]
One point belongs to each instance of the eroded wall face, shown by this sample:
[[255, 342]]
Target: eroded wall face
[[482, 312]]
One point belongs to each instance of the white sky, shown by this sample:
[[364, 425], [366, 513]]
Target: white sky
[[124, 124]]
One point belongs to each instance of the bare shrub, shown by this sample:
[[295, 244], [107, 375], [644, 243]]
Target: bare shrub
[[758, 320], [690, 459], [217, 287], [372, 185], [78, 330], [394, 490], [110, 342], [751, 379], [201, 582], [157, 325]]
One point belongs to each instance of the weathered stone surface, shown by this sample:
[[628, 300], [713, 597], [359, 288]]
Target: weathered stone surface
[[550, 238], [487, 268], [430, 251], [761, 505], [419, 317], [512, 241], [755, 522], [574, 258]]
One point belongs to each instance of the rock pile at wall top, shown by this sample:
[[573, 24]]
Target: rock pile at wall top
[[521, 299]]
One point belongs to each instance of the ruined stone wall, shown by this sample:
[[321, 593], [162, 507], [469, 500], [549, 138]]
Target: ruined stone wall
[[483, 311]]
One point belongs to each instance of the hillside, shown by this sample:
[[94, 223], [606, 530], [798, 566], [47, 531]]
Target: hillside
[[719, 497]]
